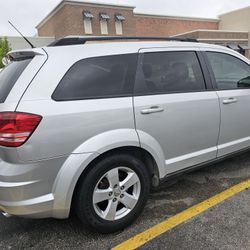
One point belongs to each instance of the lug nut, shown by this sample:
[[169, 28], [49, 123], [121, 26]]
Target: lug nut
[[122, 195], [110, 194], [114, 200], [115, 186], [122, 187]]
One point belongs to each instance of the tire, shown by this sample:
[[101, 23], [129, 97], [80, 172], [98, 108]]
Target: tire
[[102, 177]]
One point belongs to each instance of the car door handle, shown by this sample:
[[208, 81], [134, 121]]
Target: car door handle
[[230, 100], [154, 109]]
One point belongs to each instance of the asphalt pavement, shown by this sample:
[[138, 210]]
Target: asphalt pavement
[[225, 226]]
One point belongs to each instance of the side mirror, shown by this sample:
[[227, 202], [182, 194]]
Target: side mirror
[[244, 82], [5, 61]]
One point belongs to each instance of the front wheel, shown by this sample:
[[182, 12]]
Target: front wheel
[[113, 193]]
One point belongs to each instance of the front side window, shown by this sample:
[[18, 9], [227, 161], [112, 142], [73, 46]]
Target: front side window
[[98, 77], [164, 72], [229, 71]]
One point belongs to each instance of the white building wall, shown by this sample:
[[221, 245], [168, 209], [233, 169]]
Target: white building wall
[[238, 20], [17, 43]]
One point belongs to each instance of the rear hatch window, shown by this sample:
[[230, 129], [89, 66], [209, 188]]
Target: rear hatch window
[[9, 75]]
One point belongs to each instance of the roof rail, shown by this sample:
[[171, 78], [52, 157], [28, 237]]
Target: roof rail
[[82, 40]]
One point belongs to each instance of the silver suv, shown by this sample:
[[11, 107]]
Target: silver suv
[[91, 126]]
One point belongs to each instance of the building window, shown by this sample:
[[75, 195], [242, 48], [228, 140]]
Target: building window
[[87, 20], [104, 23], [118, 23], [118, 27], [104, 27]]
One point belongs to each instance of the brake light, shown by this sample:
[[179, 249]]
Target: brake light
[[16, 128]]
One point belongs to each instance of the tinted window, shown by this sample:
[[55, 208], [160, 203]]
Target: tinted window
[[98, 77], [9, 76], [164, 72], [229, 71]]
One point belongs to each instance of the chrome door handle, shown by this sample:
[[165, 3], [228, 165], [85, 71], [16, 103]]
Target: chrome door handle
[[230, 100], [154, 109]]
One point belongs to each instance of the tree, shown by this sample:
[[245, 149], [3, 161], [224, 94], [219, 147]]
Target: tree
[[4, 49]]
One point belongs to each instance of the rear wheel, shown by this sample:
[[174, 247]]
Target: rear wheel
[[113, 193]]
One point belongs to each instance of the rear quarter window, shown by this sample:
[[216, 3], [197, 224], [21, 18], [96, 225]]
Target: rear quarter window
[[9, 76], [98, 77]]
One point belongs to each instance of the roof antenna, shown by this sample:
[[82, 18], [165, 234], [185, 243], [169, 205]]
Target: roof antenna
[[32, 46]]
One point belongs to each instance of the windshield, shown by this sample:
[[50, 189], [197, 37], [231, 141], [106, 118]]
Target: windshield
[[9, 76]]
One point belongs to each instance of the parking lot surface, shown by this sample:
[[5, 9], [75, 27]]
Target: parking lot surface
[[225, 226]]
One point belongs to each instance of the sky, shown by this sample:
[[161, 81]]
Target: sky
[[26, 14]]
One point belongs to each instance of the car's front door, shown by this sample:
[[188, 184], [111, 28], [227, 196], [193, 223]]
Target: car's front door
[[232, 79], [174, 110]]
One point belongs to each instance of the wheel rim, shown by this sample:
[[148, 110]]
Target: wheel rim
[[116, 193]]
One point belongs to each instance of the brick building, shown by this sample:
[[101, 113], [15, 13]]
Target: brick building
[[79, 18], [156, 25], [85, 18]]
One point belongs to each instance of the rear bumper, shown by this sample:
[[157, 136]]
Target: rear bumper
[[26, 189], [40, 207]]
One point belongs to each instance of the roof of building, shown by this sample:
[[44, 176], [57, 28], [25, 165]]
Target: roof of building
[[222, 36], [213, 31], [94, 2]]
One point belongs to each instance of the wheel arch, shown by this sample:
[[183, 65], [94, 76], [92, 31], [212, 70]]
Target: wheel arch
[[139, 152], [84, 157], [63, 203]]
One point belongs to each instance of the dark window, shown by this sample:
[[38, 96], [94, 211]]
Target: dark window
[[165, 72], [229, 71], [98, 77], [9, 76]]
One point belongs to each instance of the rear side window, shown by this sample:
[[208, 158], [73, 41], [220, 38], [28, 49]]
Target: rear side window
[[170, 72], [98, 77], [9, 76]]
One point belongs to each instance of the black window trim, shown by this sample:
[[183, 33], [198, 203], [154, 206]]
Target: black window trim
[[211, 72], [96, 97], [201, 61], [205, 71]]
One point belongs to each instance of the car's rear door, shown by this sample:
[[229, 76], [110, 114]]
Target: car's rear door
[[86, 103], [231, 73], [175, 107]]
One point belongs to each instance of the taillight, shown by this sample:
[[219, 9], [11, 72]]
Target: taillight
[[16, 128]]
